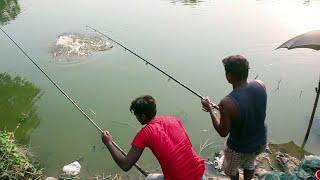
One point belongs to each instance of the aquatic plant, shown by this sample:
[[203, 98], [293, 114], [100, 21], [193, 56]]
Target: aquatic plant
[[77, 45], [15, 161]]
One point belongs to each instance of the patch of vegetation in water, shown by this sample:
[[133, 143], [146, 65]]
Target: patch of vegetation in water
[[15, 161], [79, 45]]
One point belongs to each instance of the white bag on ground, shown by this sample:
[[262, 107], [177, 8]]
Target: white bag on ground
[[72, 169]]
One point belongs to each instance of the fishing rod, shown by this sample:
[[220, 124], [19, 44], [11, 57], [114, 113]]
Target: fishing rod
[[149, 63], [71, 100]]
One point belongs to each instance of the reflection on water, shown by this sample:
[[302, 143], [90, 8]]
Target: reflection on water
[[18, 106], [9, 9], [187, 2], [306, 2], [195, 2]]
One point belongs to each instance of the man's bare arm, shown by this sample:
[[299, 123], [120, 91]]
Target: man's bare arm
[[222, 124], [124, 162]]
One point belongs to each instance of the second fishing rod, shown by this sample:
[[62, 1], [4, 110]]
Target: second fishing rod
[[149, 63]]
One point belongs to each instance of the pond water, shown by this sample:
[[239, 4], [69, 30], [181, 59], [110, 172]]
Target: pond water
[[188, 39]]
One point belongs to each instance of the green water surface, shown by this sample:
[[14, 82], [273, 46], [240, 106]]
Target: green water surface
[[187, 39]]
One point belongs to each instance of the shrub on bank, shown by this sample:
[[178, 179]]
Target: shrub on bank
[[15, 160]]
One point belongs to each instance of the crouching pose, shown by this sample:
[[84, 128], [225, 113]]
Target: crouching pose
[[167, 139]]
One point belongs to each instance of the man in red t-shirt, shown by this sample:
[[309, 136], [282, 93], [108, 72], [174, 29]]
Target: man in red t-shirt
[[167, 139]]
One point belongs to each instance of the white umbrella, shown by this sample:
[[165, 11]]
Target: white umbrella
[[309, 40]]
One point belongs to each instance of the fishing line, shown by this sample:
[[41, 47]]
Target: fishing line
[[149, 63], [72, 101]]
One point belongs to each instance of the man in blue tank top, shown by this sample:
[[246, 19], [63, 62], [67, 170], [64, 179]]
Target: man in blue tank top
[[242, 117]]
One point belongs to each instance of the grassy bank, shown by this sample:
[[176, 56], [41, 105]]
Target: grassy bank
[[15, 161]]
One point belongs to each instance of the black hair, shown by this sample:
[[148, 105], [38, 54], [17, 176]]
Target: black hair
[[237, 66], [144, 105]]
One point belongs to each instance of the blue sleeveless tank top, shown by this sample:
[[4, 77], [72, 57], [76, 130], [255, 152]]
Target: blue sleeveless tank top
[[248, 132]]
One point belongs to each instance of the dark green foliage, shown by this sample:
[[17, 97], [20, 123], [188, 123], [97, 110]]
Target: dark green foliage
[[9, 9]]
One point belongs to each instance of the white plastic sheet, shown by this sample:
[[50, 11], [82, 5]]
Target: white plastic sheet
[[72, 169]]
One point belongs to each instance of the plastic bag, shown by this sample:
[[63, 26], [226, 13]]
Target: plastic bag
[[72, 169]]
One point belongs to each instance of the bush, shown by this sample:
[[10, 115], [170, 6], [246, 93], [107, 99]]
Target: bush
[[15, 161]]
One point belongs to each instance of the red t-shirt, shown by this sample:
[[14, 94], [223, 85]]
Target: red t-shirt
[[169, 142]]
